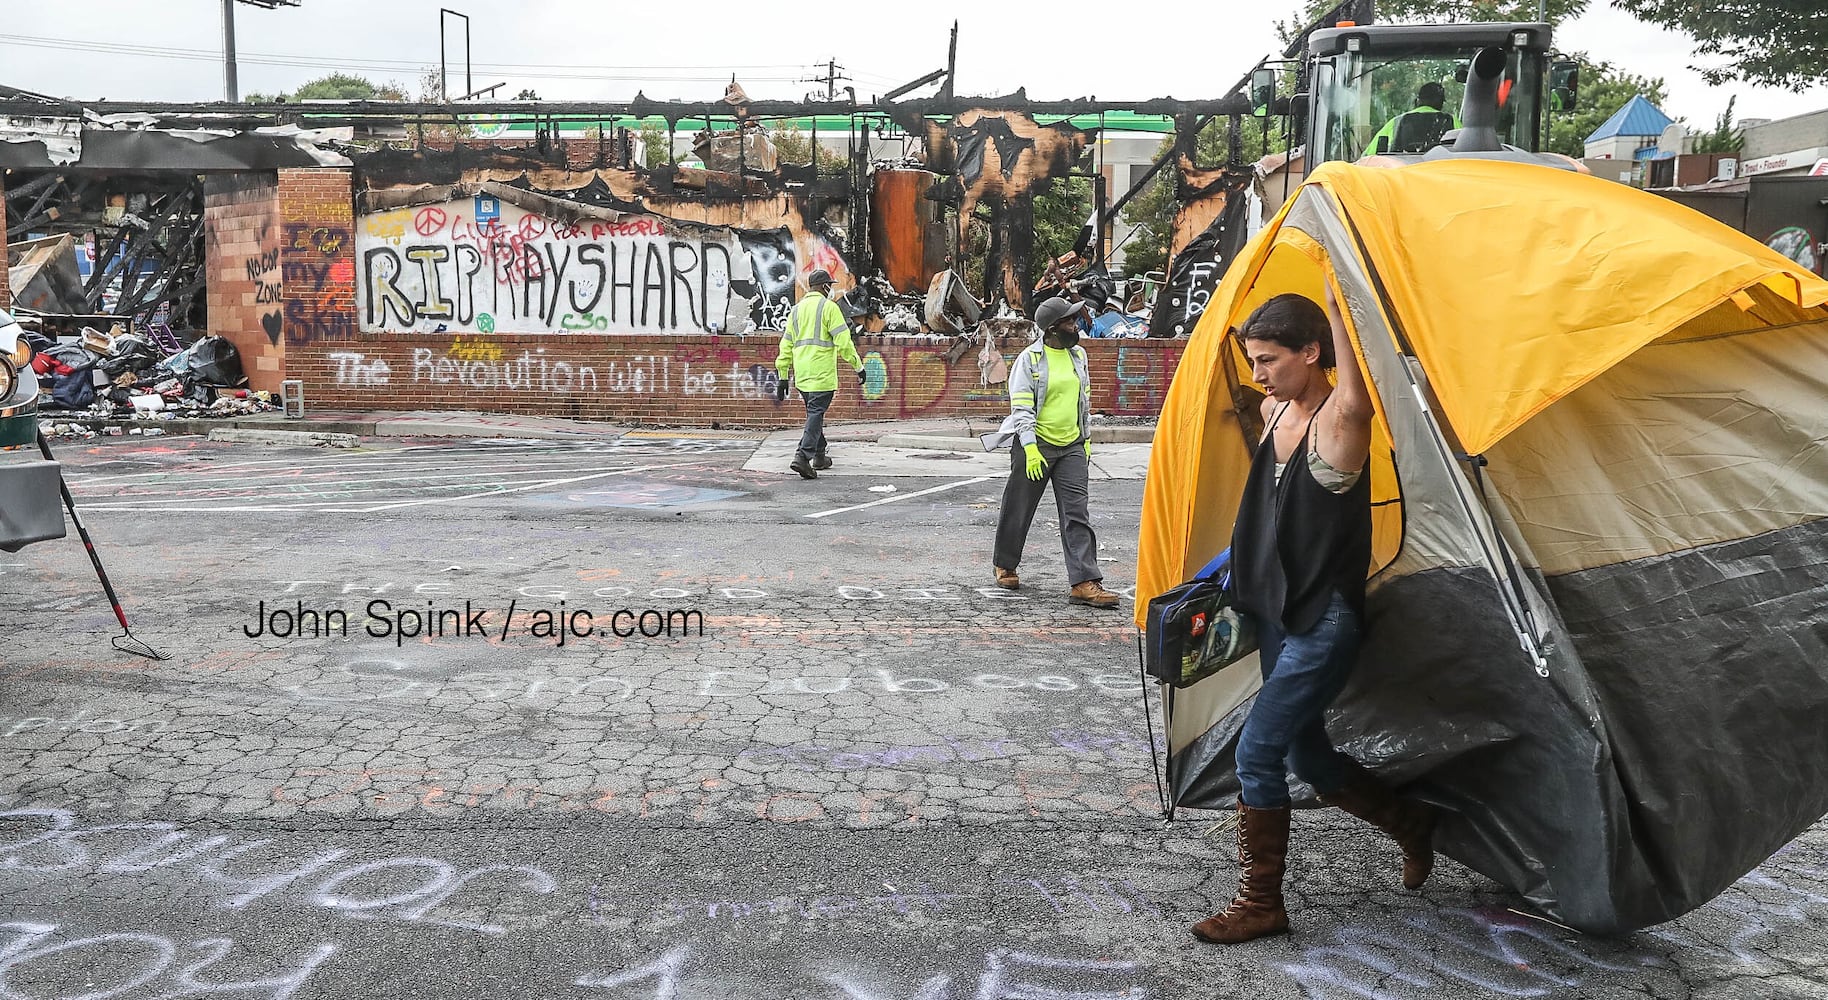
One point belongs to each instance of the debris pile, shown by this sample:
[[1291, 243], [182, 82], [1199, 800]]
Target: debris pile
[[119, 374]]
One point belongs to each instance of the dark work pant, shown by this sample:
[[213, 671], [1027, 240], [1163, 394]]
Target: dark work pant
[[1286, 728], [1070, 472], [812, 439]]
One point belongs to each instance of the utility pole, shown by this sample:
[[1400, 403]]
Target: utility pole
[[830, 79], [231, 89]]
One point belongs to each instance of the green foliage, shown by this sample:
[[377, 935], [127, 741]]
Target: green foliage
[[794, 146], [527, 94], [1603, 90], [1060, 213], [1725, 138], [335, 87], [656, 153], [1463, 11], [1439, 12], [1152, 211], [1763, 42]]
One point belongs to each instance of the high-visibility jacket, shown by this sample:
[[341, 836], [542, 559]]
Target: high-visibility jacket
[[815, 338], [1388, 132], [1028, 393]]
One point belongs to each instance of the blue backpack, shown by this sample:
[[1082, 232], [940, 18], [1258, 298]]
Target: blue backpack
[[1192, 631]]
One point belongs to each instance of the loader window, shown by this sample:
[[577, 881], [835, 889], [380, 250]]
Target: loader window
[[1358, 94]]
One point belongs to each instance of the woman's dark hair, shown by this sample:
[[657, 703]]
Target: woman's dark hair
[[1292, 321]]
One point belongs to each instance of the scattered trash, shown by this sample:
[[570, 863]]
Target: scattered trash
[[882, 489], [949, 307]]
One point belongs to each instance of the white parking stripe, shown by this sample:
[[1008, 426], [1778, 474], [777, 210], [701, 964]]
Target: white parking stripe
[[904, 496]]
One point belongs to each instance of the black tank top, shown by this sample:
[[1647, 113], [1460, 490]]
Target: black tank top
[[1296, 542]]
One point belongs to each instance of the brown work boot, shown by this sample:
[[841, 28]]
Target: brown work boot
[[1007, 578], [1263, 855], [1409, 823], [821, 463], [803, 467], [1093, 593]]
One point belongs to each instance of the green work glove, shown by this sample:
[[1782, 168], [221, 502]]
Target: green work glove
[[1036, 467], [1088, 449]]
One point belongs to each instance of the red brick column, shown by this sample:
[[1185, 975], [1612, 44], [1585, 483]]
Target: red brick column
[[317, 258], [241, 238]]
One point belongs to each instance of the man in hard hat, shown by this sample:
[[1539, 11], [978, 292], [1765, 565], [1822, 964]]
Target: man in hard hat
[[1048, 433], [815, 338]]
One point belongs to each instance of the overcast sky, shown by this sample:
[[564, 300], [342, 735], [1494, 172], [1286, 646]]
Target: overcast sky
[[170, 50]]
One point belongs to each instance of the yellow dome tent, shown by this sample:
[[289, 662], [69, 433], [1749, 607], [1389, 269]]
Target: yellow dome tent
[[1598, 609]]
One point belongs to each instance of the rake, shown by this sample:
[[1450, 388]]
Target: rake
[[126, 642]]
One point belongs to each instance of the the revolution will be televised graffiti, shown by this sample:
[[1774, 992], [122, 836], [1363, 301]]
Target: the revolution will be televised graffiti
[[480, 265]]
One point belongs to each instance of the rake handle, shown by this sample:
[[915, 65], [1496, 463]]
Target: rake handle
[[95, 560]]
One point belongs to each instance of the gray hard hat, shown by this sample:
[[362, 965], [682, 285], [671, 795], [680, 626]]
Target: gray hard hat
[[1054, 310], [818, 277]]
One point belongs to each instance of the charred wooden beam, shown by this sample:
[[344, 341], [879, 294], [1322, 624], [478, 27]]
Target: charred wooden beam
[[342, 113]]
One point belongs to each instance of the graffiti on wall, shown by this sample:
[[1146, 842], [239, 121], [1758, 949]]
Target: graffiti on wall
[[263, 273], [317, 274], [481, 266]]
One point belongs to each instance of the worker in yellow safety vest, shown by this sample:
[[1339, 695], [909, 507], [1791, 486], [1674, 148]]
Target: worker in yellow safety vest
[[1427, 123], [815, 338]]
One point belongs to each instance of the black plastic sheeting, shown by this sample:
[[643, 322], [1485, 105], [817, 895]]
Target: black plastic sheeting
[[1689, 745], [153, 150], [1197, 269]]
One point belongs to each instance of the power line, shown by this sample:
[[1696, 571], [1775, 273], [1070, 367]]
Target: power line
[[291, 59], [830, 78]]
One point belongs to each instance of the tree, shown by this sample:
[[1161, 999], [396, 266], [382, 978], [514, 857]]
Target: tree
[[656, 153], [1603, 90], [527, 94], [431, 91], [1764, 42], [1440, 12], [1060, 211], [336, 87], [1462, 11], [1725, 138], [794, 146]]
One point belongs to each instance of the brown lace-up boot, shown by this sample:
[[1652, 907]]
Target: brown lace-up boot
[[1263, 855], [1092, 593], [1409, 823]]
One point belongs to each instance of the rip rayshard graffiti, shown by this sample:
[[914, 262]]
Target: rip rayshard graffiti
[[484, 266]]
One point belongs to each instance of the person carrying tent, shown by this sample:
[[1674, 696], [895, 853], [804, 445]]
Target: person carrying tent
[[815, 338], [1048, 434], [1300, 549], [1420, 127]]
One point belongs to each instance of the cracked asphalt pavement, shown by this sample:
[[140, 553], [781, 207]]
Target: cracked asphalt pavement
[[621, 719]]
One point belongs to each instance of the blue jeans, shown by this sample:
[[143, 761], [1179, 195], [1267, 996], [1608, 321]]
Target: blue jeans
[[812, 439], [1286, 728]]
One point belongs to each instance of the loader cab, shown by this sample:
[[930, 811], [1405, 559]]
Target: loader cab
[[1359, 79]]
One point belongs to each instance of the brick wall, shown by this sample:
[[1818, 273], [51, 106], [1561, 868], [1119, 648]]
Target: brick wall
[[317, 256], [697, 381], [241, 263]]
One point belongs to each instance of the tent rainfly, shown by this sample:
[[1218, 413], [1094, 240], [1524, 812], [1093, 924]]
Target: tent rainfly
[[1598, 612]]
